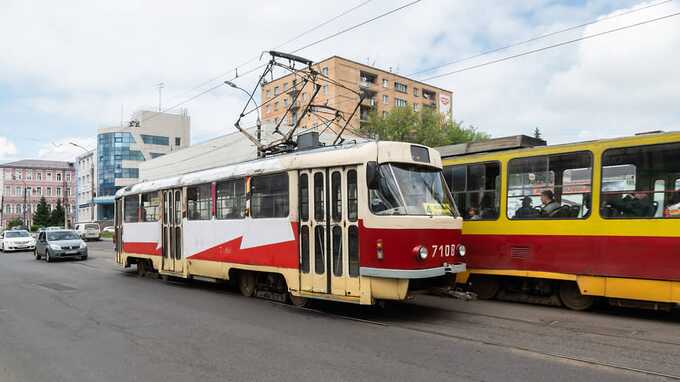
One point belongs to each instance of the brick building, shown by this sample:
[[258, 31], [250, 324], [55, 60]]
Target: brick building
[[24, 182], [382, 90]]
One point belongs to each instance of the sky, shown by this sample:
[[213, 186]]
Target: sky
[[70, 67]]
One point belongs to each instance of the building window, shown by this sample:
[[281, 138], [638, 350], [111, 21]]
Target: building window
[[49, 176], [276, 91], [17, 191], [550, 187], [58, 191], [38, 175], [285, 102], [8, 191], [475, 189], [131, 209], [29, 174], [268, 109], [386, 100], [398, 102], [276, 105], [269, 93], [269, 196], [386, 84], [58, 175], [401, 88], [231, 199], [38, 191], [285, 86], [151, 204], [415, 92], [155, 140], [17, 174], [28, 191], [199, 202], [68, 176], [324, 71]]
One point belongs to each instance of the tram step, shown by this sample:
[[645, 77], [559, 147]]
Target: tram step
[[268, 295]]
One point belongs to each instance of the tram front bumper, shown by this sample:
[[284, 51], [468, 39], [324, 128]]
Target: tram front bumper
[[413, 273]]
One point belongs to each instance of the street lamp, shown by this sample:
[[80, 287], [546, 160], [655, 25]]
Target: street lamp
[[92, 192], [258, 123]]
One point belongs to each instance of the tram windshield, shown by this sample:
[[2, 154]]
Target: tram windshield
[[404, 189]]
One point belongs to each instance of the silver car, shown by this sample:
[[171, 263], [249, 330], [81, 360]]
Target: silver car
[[60, 244]]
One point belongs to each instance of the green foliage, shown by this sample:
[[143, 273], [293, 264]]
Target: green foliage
[[57, 215], [41, 217], [34, 227], [537, 133], [16, 222], [426, 127]]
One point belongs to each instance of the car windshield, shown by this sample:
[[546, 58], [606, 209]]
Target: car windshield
[[62, 235], [91, 226], [404, 189], [10, 234]]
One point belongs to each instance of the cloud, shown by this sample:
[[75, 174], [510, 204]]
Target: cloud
[[63, 150], [7, 148], [81, 61]]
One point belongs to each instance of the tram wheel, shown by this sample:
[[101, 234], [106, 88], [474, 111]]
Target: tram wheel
[[141, 268], [485, 287], [572, 298], [246, 283]]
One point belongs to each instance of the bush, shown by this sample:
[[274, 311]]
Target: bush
[[35, 227]]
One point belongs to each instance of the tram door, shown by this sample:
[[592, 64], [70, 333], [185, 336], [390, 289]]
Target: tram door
[[118, 228], [326, 220], [172, 231]]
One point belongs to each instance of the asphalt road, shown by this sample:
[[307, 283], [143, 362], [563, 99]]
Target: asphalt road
[[93, 321]]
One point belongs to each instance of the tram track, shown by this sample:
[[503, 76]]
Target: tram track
[[522, 349]]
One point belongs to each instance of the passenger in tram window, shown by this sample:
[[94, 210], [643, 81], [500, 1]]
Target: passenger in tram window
[[473, 214], [527, 211], [550, 205], [637, 205]]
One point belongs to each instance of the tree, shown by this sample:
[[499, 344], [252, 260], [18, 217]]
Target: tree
[[57, 215], [537, 133], [426, 127], [16, 222], [41, 217]]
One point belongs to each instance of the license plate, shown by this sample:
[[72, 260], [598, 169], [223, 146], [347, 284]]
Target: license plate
[[71, 252]]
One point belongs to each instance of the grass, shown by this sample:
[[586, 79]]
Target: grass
[[107, 235]]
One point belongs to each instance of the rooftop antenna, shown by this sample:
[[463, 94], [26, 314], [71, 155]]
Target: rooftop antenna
[[160, 87]]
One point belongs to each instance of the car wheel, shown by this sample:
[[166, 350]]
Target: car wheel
[[83, 258], [48, 258], [37, 256]]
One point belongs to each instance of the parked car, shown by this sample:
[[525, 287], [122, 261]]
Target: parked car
[[88, 231], [16, 240], [55, 228], [60, 244], [109, 229]]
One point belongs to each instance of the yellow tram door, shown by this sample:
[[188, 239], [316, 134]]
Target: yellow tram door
[[343, 218], [304, 206], [172, 231]]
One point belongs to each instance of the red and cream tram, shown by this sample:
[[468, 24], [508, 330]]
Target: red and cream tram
[[355, 223]]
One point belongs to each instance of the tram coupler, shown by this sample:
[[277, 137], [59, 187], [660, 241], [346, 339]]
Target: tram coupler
[[456, 293]]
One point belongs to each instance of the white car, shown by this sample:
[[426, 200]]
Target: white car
[[88, 231], [16, 240], [109, 229]]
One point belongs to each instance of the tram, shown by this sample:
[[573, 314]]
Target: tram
[[571, 224], [355, 223]]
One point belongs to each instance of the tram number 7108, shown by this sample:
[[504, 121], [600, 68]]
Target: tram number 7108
[[445, 250]]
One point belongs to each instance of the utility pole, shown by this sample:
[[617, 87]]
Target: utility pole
[[160, 87], [25, 195]]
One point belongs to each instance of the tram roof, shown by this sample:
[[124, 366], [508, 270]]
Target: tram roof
[[503, 146], [326, 156]]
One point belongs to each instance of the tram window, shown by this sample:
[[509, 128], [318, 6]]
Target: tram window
[[641, 182], [319, 210], [199, 202], [231, 199], [131, 214], [304, 197], [352, 198], [319, 242], [269, 196], [475, 189], [353, 250], [151, 206], [304, 249], [337, 250], [550, 187], [336, 196]]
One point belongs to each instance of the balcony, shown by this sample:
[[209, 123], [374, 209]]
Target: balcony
[[366, 79], [370, 102]]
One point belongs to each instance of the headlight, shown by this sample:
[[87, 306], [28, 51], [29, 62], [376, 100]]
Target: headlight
[[461, 250], [421, 253], [82, 244], [55, 247]]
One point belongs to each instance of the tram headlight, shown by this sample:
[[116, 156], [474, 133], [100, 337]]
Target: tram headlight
[[461, 250], [379, 249], [421, 252]]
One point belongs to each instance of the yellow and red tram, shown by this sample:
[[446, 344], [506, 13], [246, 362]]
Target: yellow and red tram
[[354, 223], [613, 228]]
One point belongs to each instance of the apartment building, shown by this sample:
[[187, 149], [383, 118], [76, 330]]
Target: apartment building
[[24, 182], [121, 149], [382, 90], [86, 178]]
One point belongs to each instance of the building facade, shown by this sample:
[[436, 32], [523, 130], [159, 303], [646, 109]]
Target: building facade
[[26, 181], [382, 91], [86, 179], [120, 150]]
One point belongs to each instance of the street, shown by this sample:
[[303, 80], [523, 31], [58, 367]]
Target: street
[[93, 321]]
